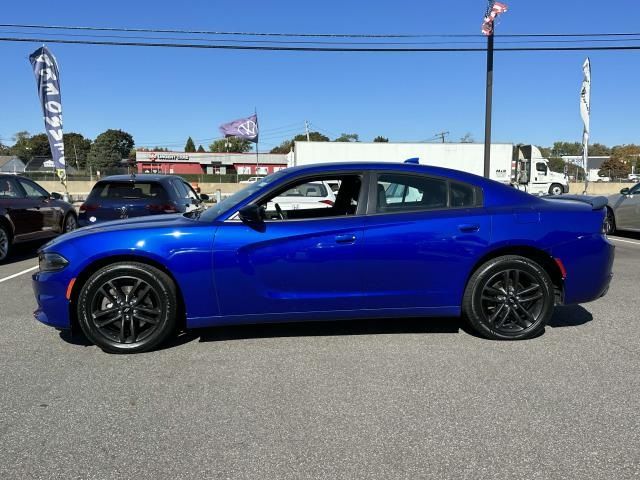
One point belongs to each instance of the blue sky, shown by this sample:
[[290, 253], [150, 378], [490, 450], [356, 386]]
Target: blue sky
[[161, 96]]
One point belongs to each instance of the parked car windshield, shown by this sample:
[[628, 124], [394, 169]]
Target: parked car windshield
[[211, 213], [128, 191]]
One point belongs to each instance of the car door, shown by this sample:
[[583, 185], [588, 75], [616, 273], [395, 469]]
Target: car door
[[627, 210], [50, 212], [22, 211], [420, 244], [299, 265]]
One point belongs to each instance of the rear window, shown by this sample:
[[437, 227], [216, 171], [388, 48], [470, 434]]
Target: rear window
[[129, 191]]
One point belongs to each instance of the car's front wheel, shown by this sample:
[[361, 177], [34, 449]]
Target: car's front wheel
[[70, 223], [610, 222], [128, 307], [556, 189], [5, 243], [509, 298]]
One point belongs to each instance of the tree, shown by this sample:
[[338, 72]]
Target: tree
[[39, 145], [109, 149], [557, 164], [599, 150], [348, 137], [200, 149], [468, 138], [4, 150], [615, 167], [380, 139], [190, 146], [22, 146], [76, 149], [231, 145], [287, 145]]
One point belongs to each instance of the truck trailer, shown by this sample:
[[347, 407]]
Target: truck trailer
[[520, 166]]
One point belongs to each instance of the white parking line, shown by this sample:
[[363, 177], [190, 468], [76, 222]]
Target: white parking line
[[625, 241], [18, 274]]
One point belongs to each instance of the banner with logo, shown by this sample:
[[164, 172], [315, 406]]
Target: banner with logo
[[246, 128], [45, 69], [585, 113]]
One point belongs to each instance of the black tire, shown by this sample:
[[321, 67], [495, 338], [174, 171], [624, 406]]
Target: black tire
[[5, 243], [610, 222], [509, 298], [128, 307], [556, 189], [70, 223]]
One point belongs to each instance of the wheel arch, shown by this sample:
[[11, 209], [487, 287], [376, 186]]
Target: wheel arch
[[538, 255], [93, 267]]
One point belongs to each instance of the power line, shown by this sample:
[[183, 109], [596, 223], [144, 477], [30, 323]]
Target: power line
[[315, 49], [315, 35]]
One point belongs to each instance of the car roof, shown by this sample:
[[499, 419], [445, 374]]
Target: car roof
[[388, 166], [144, 177]]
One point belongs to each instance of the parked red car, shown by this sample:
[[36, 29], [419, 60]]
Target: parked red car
[[28, 212]]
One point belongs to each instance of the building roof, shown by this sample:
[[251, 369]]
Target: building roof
[[4, 159], [595, 162]]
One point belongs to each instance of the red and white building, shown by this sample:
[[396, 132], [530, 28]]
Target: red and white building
[[209, 163]]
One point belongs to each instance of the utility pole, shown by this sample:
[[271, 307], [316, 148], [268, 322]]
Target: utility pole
[[442, 135], [306, 129], [488, 106]]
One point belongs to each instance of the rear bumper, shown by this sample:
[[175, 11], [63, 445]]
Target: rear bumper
[[53, 306], [589, 263]]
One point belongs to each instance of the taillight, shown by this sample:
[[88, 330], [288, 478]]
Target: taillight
[[327, 202], [166, 208], [88, 207]]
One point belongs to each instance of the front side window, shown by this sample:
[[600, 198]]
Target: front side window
[[314, 198], [9, 188], [32, 190], [408, 192]]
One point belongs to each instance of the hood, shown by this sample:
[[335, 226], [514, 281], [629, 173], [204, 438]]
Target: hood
[[136, 223]]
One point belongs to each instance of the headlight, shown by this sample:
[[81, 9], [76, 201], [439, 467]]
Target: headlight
[[51, 262]]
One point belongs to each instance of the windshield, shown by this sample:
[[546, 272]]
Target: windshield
[[211, 213]]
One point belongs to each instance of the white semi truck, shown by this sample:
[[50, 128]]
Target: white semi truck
[[520, 166]]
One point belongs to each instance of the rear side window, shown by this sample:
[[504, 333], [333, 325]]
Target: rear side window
[[33, 190], [9, 188], [128, 191], [409, 192], [397, 193]]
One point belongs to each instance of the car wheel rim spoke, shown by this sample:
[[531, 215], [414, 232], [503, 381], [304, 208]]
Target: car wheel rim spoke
[[512, 301], [126, 309], [4, 244]]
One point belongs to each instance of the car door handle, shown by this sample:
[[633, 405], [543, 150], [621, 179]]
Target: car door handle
[[346, 238], [468, 228]]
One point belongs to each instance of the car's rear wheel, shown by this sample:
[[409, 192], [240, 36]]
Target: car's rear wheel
[[70, 223], [5, 243], [610, 222], [128, 307], [509, 298], [556, 189]]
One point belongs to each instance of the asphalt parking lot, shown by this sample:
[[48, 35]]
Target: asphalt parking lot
[[378, 399]]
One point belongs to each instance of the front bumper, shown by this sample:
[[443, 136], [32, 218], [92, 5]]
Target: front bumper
[[53, 307]]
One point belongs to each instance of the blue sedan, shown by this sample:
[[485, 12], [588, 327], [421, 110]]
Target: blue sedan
[[400, 240]]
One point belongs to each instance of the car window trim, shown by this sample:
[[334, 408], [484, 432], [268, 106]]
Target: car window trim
[[362, 198], [372, 203]]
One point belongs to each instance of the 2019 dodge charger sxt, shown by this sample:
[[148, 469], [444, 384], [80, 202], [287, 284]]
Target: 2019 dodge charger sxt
[[400, 240]]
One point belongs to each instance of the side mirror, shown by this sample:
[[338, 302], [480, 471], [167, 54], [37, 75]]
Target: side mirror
[[625, 191], [251, 214], [56, 196], [204, 197]]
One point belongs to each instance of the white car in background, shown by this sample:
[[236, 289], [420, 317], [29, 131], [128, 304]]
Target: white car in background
[[251, 180], [305, 196]]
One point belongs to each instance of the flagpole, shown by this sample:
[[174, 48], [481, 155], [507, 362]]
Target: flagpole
[[488, 106], [255, 111]]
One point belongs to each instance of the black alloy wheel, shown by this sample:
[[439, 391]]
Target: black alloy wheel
[[5, 243], [127, 307], [70, 223], [556, 189], [509, 298]]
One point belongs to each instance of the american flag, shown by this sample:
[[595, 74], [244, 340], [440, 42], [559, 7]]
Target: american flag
[[493, 10]]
